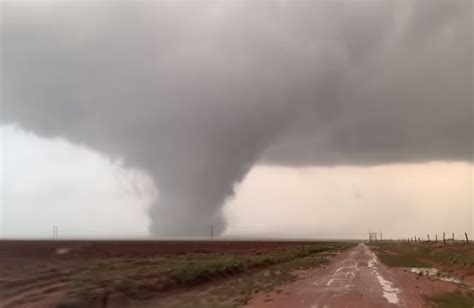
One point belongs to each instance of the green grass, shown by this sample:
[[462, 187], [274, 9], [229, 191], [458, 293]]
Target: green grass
[[196, 271], [237, 291], [453, 300], [462, 255], [401, 261], [140, 278], [402, 255], [447, 257], [190, 272], [424, 255]]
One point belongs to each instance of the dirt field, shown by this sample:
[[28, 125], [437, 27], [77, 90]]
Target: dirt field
[[150, 273]]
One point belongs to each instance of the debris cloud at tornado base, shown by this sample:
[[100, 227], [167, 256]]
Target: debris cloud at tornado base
[[196, 93]]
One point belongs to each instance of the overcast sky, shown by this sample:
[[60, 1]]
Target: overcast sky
[[52, 182], [264, 119]]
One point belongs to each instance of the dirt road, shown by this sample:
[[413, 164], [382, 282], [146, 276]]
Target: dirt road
[[356, 278]]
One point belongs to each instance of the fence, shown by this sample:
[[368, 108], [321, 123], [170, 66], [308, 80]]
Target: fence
[[373, 237]]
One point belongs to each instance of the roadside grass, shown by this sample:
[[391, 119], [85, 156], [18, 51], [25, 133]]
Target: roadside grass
[[453, 300], [395, 255], [130, 275], [238, 291], [144, 277], [460, 254], [449, 257], [425, 254], [191, 272]]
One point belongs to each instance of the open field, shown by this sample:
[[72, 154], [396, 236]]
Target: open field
[[452, 262], [234, 273], [150, 273]]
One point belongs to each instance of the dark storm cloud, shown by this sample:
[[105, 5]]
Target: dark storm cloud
[[195, 93]]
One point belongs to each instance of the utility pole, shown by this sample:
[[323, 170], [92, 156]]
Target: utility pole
[[55, 232], [373, 236]]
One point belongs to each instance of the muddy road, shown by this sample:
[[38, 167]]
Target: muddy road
[[356, 278]]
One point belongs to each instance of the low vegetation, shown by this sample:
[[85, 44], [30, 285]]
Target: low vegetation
[[454, 258], [195, 270], [274, 270], [425, 254], [450, 300], [143, 278]]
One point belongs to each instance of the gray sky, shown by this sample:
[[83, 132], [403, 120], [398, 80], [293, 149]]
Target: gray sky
[[52, 182], [194, 95]]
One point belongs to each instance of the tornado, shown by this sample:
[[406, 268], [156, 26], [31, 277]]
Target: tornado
[[195, 94]]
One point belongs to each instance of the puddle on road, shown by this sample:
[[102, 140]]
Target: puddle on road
[[434, 273], [389, 291]]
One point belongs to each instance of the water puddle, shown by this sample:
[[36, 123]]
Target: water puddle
[[435, 274], [389, 291]]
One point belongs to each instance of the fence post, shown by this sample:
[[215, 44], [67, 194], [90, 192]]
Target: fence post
[[453, 238], [467, 239], [444, 239], [436, 238]]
